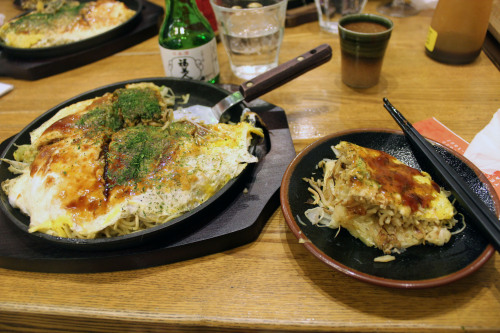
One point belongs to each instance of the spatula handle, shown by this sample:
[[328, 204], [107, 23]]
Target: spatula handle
[[285, 72]]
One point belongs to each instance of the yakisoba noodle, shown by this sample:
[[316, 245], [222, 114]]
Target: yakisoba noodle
[[123, 226], [379, 200], [120, 163]]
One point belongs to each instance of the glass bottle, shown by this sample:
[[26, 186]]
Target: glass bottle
[[188, 45], [457, 30]]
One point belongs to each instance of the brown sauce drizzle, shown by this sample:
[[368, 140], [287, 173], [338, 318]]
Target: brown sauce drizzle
[[399, 178]]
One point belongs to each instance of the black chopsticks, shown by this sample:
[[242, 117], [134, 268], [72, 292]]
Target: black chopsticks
[[427, 156]]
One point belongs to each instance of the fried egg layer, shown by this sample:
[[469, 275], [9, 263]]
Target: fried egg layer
[[118, 158]]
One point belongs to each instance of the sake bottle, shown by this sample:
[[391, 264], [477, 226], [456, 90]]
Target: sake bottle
[[188, 45], [457, 30]]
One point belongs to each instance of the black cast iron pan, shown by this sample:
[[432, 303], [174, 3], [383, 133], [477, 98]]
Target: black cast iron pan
[[61, 50], [200, 93]]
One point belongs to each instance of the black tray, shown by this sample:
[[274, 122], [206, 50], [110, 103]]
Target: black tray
[[147, 26], [228, 226]]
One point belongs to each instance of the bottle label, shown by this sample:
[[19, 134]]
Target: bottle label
[[430, 42], [199, 63]]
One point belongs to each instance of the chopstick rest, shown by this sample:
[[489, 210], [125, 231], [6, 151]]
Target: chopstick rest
[[427, 156]]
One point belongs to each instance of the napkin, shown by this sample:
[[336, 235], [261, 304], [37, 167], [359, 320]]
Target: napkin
[[488, 163], [484, 150], [5, 88]]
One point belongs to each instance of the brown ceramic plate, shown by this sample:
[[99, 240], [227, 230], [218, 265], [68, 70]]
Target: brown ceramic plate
[[418, 266]]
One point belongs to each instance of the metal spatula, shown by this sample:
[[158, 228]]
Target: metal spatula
[[259, 85]]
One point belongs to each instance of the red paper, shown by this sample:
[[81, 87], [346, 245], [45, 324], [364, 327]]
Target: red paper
[[435, 130]]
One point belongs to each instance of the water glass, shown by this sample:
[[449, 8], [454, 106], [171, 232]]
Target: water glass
[[252, 32], [330, 11]]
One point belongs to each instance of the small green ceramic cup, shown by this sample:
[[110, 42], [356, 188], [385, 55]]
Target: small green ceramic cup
[[363, 41]]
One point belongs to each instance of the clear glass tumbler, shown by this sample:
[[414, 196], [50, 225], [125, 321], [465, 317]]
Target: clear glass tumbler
[[252, 32], [330, 11]]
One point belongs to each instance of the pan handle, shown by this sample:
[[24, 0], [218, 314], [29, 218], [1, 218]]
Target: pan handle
[[285, 72]]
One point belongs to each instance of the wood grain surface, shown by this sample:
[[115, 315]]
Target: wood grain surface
[[272, 284]]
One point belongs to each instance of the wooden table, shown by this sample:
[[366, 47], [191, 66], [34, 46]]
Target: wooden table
[[272, 283]]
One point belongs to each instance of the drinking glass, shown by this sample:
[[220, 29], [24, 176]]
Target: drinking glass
[[363, 42], [398, 8], [252, 32], [330, 11]]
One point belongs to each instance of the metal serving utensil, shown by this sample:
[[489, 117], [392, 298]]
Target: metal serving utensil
[[258, 86]]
